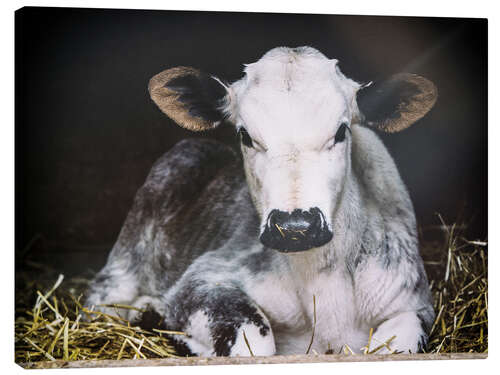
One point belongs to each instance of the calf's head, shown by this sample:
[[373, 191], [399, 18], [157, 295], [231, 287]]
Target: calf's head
[[294, 111]]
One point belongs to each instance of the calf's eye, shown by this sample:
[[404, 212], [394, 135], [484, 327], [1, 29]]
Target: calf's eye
[[340, 135], [245, 137]]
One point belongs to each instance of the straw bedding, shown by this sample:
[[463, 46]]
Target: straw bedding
[[48, 327]]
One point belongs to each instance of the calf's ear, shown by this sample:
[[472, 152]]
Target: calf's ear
[[189, 97], [397, 103]]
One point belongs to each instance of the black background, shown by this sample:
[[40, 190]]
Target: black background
[[87, 132]]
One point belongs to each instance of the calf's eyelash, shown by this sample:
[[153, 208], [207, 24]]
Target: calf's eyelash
[[245, 137], [340, 134]]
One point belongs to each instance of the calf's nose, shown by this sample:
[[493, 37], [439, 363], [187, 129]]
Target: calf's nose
[[296, 231]]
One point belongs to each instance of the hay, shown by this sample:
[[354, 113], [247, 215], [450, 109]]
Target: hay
[[458, 273], [54, 329], [48, 326]]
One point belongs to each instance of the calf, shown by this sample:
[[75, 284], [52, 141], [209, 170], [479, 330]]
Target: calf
[[234, 250]]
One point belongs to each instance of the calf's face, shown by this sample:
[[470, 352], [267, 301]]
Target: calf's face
[[293, 110]]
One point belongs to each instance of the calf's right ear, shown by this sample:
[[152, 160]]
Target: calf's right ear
[[191, 98]]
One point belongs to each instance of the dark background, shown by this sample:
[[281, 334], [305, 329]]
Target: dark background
[[87, 132]]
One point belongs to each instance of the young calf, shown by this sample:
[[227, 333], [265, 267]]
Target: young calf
[[226, 249]]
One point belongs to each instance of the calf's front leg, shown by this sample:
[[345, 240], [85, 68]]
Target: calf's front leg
[[407, 327], [219, 321]]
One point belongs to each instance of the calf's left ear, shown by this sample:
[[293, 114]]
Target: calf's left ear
[[397, 103], [189, 97]]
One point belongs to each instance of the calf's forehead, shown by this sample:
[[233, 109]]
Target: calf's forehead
[[306, 115], [294, 93], [307, 105], [286, 69]]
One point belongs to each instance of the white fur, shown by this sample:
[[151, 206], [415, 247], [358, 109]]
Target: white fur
[[198, 335], [259, 345], [405, 327], [288, 304]]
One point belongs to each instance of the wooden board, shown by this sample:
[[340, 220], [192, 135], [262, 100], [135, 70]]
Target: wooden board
[[197, 361]]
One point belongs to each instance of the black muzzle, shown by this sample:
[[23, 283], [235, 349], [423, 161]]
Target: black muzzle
[[296, 231]]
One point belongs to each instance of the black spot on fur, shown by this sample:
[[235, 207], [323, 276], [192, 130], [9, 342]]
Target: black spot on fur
[[422, 343], [426, 324], [224, 336], [259, 262], [150, 319], [180, 347], [229, 310]]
